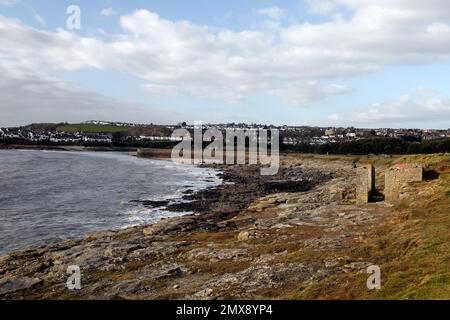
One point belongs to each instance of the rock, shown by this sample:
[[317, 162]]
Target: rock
[[281, 226], [287, 186], [247, 235], [204, 294], [148, 231], [216, 254], [190, 255], [267, 258], [151, 204], [17, 284], [177, 225], [175, 272], [109, 253], [110, 267], [359, 266], [271, 201], [243, 236], [261, 206], [332, 263], [102, 235], [293, 201]]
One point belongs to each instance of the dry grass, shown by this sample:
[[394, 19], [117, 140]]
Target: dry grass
[[412, 249]]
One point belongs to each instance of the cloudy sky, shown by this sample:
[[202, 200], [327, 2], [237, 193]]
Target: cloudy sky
[[367, 63]]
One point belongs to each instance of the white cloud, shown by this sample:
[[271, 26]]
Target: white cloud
[[39, 19], [303, 93], [197, 60], [322, 6], [421, 107], [107, 12], [274, 13], [8, 2], [28, 96], [300, 63]]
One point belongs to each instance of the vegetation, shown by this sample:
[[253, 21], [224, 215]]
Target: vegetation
[[412, 250], [90, 128], [374, 146], [117, 142]]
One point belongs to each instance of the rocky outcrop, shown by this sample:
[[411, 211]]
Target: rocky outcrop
[[253, 237]]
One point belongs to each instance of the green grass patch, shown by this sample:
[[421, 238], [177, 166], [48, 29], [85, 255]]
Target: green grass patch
[[412, 250], [91, 128], [431, 287], [348, 202]]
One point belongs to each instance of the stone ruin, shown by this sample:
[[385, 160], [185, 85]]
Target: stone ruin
[[365, 183], [396, 178]]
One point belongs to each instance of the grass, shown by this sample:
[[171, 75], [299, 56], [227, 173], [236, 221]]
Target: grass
[[90, 128], [306, 255], [218, 268], [412, 249], [348, 202]]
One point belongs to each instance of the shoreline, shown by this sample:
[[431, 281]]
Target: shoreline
[[213, 211], [65, 148], [175, 203], [294, 236]]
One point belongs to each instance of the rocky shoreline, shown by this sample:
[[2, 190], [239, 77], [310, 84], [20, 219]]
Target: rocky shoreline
[[252, 237], [212, 208]]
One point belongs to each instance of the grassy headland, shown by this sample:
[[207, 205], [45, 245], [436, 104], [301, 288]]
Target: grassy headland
[[90, 128], [412, 247]]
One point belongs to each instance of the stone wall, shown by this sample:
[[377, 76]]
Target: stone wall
[[365, 183], [399, 176]]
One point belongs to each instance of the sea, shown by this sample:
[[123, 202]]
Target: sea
[[48, 196]]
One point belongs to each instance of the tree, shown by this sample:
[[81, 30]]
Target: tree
[[117, 138]]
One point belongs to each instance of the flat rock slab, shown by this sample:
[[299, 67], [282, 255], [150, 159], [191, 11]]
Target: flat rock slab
[[17, 284]]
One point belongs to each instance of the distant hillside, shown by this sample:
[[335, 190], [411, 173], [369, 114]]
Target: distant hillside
[[91, 128], [143, 130], [150, 130], [41, 126]]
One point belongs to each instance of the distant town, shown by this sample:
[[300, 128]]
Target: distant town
[[105, 132]]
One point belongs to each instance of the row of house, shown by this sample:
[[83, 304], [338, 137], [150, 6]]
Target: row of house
[[291, 135], [53, 136], [156, 138]]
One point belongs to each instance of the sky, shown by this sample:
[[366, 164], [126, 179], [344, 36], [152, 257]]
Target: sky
[[362, 63]]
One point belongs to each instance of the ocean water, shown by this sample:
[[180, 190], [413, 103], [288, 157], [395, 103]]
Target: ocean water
[[46, 196]]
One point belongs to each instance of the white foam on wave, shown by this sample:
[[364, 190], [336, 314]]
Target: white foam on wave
[[203, 178], [138, 217]]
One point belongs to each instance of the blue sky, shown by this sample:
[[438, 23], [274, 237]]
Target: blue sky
[[311, 62], [232, 14]]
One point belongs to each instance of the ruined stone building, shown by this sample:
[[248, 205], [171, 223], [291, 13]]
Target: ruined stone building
[[365, 183], [396, 178]]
